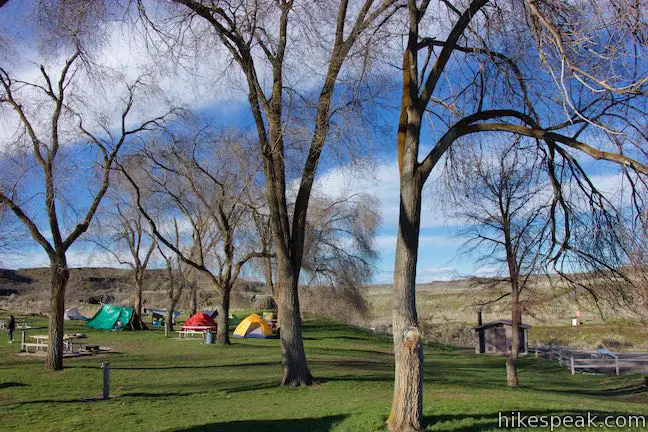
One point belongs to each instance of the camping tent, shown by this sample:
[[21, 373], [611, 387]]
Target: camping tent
[[73, 314], [199, 321], [157, 315], [253, 327], [108, 315]]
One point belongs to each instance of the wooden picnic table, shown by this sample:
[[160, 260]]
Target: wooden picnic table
[[42, 341], [189, 331]]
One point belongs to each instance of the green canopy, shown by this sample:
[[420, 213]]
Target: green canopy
[[108, 316]]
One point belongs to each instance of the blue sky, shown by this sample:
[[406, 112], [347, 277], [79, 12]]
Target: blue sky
[[223, 103]]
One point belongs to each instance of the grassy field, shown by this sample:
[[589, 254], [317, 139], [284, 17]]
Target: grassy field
[[160, 384]]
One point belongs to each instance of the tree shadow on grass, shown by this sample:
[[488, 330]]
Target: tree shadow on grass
[[5, 385], [619, 391], [322, 424], [253, 386], [203, 366], [146, 395]]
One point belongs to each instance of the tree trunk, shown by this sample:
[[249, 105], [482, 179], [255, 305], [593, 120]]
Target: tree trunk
[[293, 356], [137, 322], [511, 363], [222, 334], [193, 299], [168, 321], [267, 274], [59, 275], [407, 405]]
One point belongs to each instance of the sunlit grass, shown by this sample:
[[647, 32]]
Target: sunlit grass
[[160, 384]]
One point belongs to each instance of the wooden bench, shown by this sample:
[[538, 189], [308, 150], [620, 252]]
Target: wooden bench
[[91, 348]]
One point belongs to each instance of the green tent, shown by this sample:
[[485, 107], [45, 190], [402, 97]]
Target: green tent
[[108, 316]]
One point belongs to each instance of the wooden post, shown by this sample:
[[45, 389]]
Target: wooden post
[[536, 352], [616, 364], [106, 380], [560, 358], [23, 340], [573, 368]]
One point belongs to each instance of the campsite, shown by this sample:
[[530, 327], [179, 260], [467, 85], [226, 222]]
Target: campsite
[[165, 384], [323, 215]]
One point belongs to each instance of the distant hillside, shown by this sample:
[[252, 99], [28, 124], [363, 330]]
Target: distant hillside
[[447, 310], [27, 290]]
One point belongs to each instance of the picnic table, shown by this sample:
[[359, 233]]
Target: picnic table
[[190, 331], [41, 342]]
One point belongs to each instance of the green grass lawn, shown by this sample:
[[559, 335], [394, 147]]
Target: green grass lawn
[[160, 384]]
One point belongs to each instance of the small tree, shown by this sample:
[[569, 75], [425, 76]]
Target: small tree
[[339, 245], [176, 281], [124, 236], [498, 191]]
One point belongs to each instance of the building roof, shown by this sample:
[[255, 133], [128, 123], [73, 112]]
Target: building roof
[[500, 323]]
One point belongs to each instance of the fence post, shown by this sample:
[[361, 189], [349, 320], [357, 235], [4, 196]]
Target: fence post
[[616, 364], [536, 353], [106, 380], [573, 367], [23, 340], [560, 358]]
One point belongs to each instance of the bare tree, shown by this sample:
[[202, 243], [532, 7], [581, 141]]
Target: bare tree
[[339, 249], [264, 232], [205, 180], [256, 36], [493, 85], [176, 281], [11, 233], [46, 139], [124, 235], [638, 257], [499, 192], [339, 246]]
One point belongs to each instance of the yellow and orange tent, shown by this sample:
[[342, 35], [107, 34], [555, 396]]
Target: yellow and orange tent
[[253, 327]]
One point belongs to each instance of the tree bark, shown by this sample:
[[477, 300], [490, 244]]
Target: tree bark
[[137, 322], [193, 299], [222, 333], [293, 356], [511, 363], [59, 275], [267, 273], [407, 405], [516, 314]]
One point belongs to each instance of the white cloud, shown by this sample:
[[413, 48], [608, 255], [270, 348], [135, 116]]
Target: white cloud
[[388, 242], [382, 182], [486, 271], [429, 274]]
